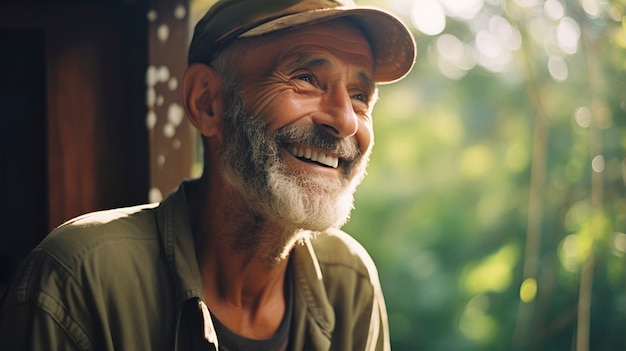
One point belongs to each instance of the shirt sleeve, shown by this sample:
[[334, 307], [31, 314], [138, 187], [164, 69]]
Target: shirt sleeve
[[379, 327], [33, 315], [27, 327]]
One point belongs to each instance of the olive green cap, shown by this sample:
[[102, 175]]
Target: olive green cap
[[392, 43]]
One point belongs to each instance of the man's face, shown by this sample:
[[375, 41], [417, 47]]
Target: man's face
[[299, 147]]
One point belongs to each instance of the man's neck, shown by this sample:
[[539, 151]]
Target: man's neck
[[242, 259]]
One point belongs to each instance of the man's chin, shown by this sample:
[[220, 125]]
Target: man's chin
[[314, 202], [322, 213]]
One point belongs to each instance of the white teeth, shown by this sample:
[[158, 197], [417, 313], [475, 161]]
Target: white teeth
[[313, 155]]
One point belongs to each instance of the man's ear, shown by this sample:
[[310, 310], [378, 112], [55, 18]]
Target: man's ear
[[203, 99]]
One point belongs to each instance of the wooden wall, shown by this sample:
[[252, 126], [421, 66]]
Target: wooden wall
[[90, 113]]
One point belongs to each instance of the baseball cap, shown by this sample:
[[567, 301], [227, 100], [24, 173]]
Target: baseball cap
[[392, 43]]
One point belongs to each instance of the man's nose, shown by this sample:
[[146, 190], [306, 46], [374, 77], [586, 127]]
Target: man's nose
[[337, 113]]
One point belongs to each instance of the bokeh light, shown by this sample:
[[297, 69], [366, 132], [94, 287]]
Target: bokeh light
[[428, 17]]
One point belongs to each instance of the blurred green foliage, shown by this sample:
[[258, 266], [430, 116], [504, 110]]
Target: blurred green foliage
[[494, 205]]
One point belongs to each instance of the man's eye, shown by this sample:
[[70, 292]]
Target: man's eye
[[306, 78], [361, 97]]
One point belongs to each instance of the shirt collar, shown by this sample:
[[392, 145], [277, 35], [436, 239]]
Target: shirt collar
[[177, 239]]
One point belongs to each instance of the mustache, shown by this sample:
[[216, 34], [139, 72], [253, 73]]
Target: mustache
[[316, 137]]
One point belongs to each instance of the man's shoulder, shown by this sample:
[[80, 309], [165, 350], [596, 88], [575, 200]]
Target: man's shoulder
[[97, 228], [337, 248], [106, 264], [100, 237], [112, 217], [98, 244]]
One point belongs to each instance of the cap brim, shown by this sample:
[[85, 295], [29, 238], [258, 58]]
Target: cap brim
[[392, 43]]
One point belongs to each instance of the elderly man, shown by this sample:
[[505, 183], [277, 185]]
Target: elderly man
[[249, 256]]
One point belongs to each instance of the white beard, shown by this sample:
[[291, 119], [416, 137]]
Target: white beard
[[306, 201], [309, 201], [252, 163]]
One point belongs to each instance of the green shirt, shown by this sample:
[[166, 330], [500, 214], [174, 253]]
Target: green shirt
[[128, 279]]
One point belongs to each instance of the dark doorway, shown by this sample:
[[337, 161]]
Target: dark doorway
[[73, 137], [23, 146]]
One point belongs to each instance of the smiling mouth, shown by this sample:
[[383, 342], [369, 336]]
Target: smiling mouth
[[313, 156]]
